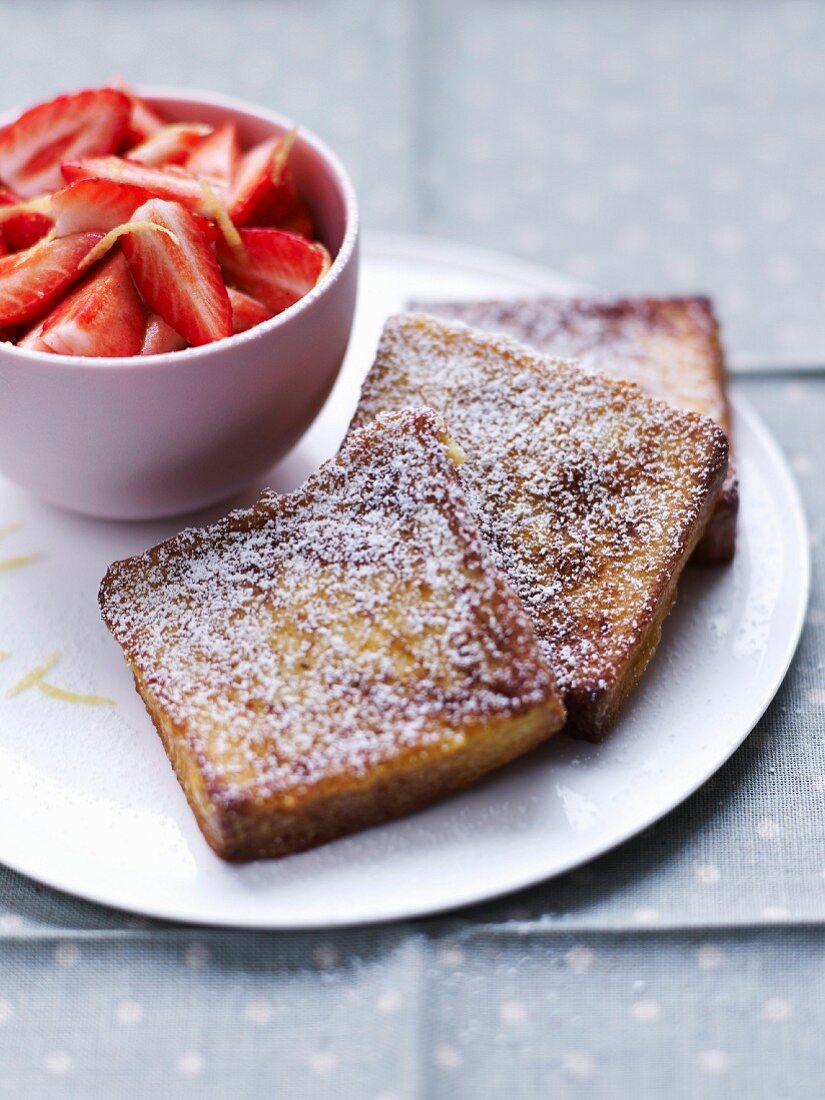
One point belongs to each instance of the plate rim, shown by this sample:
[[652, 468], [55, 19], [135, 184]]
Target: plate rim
[[456, 254]]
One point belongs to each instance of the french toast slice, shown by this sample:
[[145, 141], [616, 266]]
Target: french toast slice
[[591, 495], [670, 347], [333, 658]]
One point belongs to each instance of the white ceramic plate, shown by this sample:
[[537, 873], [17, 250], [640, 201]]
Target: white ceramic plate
[[89, 804]]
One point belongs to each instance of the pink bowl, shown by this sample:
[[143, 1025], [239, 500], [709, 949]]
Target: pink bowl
[[141, 438]]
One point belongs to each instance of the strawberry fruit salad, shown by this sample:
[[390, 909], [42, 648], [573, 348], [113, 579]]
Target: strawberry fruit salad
[[123, 233]]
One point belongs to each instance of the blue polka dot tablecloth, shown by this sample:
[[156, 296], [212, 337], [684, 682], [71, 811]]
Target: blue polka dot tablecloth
[[639, 146]]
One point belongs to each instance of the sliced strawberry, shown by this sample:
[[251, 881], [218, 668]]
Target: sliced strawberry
[[170, 144], [263, 190], [33, 147], [172, 182], [103, 315], [95, 204], [143, 119], [160, 337], [275, 267], [180, 281], [8, 335], [31, 339], [217, 156], [25, 229], [31, 281], [246, 311], [299, 221], [3, 248]]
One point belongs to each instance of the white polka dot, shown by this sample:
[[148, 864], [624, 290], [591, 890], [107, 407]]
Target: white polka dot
[[802, 465], [819, 782], [451, 955], [631, 238], [775, 912], [58, 1063], [579, 1063], [197, 955], [10, 922], [727, 239], [816, 696], [680, 266], [259, 1012], [579, 959], [389, 1001], [781, 269], [6, 1011], [129, 1012], [776, 1009], [709, 956], [707, 874], [794, 391], [645, 915], [646, 1012], [67, 954], [326, 956], [713, 1061], [322, 1062], [191, 1063], [768, 829], [512, 1012], [776, 207], [447, 1057]]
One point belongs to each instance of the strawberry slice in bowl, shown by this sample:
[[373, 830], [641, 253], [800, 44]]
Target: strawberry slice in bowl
[[95, 204], [177, 274], [32, 281], [246, 311], [263, 190], [159, 338], [217, 156], [171, 144], [169, 182], [103, 315], [275, 267], [33, 147]]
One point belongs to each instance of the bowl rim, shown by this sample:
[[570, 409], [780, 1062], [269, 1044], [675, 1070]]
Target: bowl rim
[[146, 363]]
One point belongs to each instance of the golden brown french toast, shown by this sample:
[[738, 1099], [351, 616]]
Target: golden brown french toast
[[333, 658], [670, 347], [591, 495]]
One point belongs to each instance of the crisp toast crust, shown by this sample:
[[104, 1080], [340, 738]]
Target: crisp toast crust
[[591, 495], [670, 347], [336, 657]]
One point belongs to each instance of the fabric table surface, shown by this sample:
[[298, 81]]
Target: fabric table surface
[[635, 146]]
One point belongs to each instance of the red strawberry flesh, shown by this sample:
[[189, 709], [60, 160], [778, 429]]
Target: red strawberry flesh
[[32, 281], [216, 157], [33, 147], [275, 267], [160, 338], [246, 311], [179, 279], [103, 316], [95, 204]]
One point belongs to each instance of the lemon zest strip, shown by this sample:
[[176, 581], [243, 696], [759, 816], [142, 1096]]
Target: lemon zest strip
[[33, 678], [105, 243]]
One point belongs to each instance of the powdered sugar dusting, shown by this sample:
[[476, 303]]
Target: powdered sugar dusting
[[329, 631], [587, 491], [668, 346]]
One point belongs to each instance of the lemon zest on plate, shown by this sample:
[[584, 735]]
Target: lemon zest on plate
[[33, 678]]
